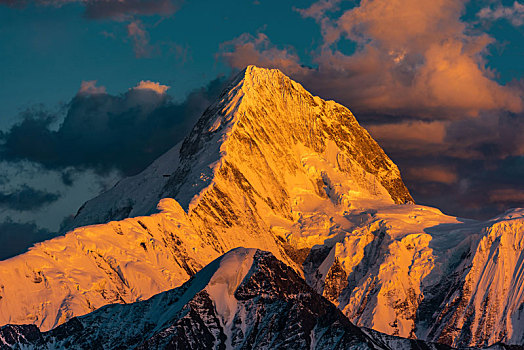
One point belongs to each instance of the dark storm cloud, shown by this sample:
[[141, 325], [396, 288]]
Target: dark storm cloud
[[26, 198], [109, 9], [105, 132], [15, 237], [490, 136]]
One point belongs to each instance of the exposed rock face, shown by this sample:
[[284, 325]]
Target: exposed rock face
[[272, 167], [20, 336]]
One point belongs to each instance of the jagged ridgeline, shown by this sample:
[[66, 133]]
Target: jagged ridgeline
[[221, 307], [272, 167]]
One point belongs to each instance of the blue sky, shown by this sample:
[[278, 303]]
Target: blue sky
[[438, 83], [48, 51]]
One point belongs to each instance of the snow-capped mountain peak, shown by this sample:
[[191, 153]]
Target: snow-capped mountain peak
[[270, 166], [264, 119]]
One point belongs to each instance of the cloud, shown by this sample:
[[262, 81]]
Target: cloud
[[514, 14], [467, 167], [140, 38], [26, 198], [150, 85], [412, 58], [16, 237], [507, 195], [143, 48], [488, 137], [89, 88], [109, 9], [319, 9], [433, 173], [411, 136], [258, 50], [105, 132]]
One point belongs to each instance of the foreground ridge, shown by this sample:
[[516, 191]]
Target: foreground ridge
[[270, 166]]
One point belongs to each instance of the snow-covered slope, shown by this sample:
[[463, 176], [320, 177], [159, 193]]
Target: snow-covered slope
[[271, 166], [246, 299]]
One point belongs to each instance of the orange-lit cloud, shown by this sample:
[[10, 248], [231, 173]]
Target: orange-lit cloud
[[412, 58], [420, 131], [258, 50], [151, 85], [432, 174], [452, 76], [415, 55], [507, 195], [402, 24], [89, 88]]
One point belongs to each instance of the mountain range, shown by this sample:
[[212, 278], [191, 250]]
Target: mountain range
[[271, 167]]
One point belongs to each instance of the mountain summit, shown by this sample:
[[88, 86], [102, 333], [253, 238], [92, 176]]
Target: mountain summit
[[268, 123], [270, 166]]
